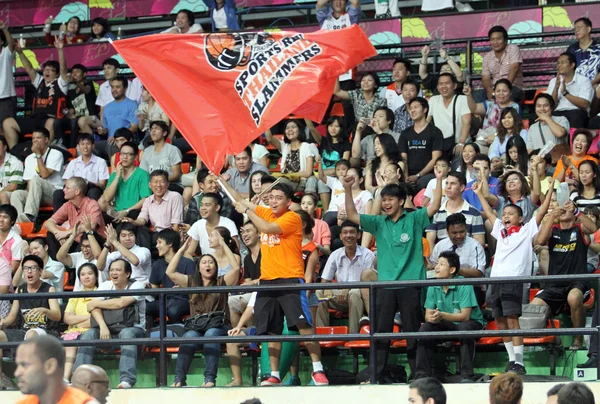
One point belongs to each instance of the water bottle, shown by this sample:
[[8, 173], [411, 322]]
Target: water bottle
[[119, 33], [546, 149], [61, 35], [467, 77], [22, 41], [562, 194]]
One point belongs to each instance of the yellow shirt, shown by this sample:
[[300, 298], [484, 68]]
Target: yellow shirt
[[78, 306]]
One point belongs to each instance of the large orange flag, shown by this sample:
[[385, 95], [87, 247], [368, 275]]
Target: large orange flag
[[223, 90]]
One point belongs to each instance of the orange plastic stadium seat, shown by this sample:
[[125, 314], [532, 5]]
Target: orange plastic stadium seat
[[43, 233], [73, 152], [487, 341], [588, 303], [366, 329], [339, 329], [532, 293], [66, 286], [538, 91], [185, 168], [26, 228]]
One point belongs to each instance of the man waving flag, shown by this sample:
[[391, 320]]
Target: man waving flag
[[223, 90]]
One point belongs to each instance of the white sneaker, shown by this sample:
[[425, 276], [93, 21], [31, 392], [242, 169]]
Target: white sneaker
[[124, 385]]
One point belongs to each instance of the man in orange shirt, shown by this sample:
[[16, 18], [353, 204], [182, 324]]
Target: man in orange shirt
[[281, 263], [39, 373]]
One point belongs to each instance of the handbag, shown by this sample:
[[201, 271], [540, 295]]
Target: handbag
[[204, 322], [118, 319], [534, 317]]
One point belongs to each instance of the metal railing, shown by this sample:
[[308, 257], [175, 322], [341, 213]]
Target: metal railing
[[163, 341]]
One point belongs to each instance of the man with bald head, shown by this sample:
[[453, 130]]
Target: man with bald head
[[92, 380]]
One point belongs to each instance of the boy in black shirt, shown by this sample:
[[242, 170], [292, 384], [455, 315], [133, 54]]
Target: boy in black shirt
[[566, 230]]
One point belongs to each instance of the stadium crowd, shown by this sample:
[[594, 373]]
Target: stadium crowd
[[424, 178]]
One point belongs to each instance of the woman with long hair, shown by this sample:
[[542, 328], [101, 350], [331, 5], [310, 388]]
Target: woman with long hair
[[101, 31], [567, 166], [513, 188], [70, 31], [470, 150], [76, 314], [386, 152], [587, 194], [517, 156], [224, 262], [203, 303], [510, 124], [256, 183]]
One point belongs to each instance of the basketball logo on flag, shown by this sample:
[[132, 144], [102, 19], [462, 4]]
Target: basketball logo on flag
[[230, 51]]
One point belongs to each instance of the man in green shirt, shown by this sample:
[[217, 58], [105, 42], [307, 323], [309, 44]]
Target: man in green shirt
[[449, 308], [127, 187], [399, 257]]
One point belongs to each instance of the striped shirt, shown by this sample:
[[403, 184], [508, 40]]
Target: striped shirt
[[581, 202], [473, 216], [11, 172]]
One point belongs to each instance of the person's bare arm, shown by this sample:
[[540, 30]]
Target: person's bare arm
[[544, 208], [424, 62], [351, 213], [513, 71], [436, 154], [62, 60], [436, 202], [338, 92], [356, 157], [26, 63], [9, 39], [487, 209], [322, 3], [273, 141], [179, 279], [313, 131], [486, 83], [476, 108], [466, 128]]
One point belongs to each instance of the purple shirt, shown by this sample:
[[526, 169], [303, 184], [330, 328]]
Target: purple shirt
[[164, 214]]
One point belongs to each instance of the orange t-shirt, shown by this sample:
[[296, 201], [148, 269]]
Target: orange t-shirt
[[281, 254], [560, 165], [71, 396]]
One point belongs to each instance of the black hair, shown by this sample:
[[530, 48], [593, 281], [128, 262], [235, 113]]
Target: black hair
[[46, 348], [349, 223], [79, 66], [501, 131], [482, 157], [126, 226], [460, 176], [197, 279], [453, 260], [522, 162], [188, 14], [254, 174], [389, 115], [506, 82], [343, 162], [327, 142], [452, 77], [3, 139], [217, 198], [444, 159], [2, 37], [162, 124], [87, 136], [226, 234], [53, 64], [126, 265], [429, 387], [421, 101], [123, 132], [569, 56], [575, 393], [588, 136], [500, 29], [43, 131], [554, 390], [170, 237], [38, 260], [93, 267], [547, 157], [285, 188], [584, 20], [267, 179], [248, 151], [394, 191], [313, 196], [40, 240], [300, 126], [595, 181], [455, 219], [159, 173], [410, 82], [123, 81], [201, 175], [308, 222], [11, 211], [463, 164], [102, 22], [112, 62], [516, 207], [525, 189], [547, 97], [132, 145], [375, 78], [390, 149], [78, 23], [406, 62]]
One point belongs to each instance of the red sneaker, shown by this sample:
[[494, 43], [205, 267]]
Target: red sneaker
[[271, 381], [320, 379]]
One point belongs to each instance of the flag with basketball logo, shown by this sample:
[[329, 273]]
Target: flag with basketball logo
[[223, 90]]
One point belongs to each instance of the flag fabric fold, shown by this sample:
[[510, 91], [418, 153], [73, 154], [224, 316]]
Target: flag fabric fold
[[222, 90]]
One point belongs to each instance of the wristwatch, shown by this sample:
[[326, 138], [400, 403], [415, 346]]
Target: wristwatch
[[418, 175], [38, 156], [90, 233]]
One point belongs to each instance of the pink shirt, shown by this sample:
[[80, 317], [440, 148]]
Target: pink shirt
[[164, 214], [321, 233], [11, 248], [499, 69], [69, 213]]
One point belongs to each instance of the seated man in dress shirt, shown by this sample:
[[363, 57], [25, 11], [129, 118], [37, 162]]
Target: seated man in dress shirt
[[238, 177], [70, 214], [87, 166], [470, 251], [346, 265]]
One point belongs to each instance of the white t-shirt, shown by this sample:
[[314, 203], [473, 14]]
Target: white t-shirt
[[140, 302], [198, 232], [360, 202], [431, 188], [338, 23], [78, 260], [105, 95], [58, 270], [442, 115], [220, 18], [53, 160], [337, 192], [259, 151], [514, 254], [7, 82], [580, 86], [140, 272]]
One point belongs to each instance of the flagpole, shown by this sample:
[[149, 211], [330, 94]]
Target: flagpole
[[224, 188]]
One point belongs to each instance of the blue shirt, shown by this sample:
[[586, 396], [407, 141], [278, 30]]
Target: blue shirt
[[118, 115], [471, 197]]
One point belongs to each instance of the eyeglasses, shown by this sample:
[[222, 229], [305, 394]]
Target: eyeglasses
[[104, 382], [31, 269]]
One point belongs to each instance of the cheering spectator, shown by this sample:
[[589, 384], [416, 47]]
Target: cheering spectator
[[469, 151], [420, 145], [184, 24], [120, 279], [53, 271], [548, 128], [567, 242], [402, 119], [8, 95], [510, 125], [125, 248], [502, 62], [346, 265], [127, 186], [442, 164], [71, 213], [87, 166], [481, 164], [43, 169], [542, 166], [11, 172], [119, 113], [393, 92], [69, 31], [162, 155], [222, 15], [48, 103], [450, 113], [586, 50], [587, 194], [239, 177], [386, 152], [567, 166], [150, 111], [167, 244], [101, 31], [469, 250], [430, 81], [571, 92], [449, 308], [123, 135], [364, 100]]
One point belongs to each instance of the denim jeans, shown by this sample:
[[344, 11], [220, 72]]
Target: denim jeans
[[212, 352], [127, 366]]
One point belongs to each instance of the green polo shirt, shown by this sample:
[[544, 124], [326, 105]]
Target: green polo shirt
[[457, 298], [399, 244], [131, 191]]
